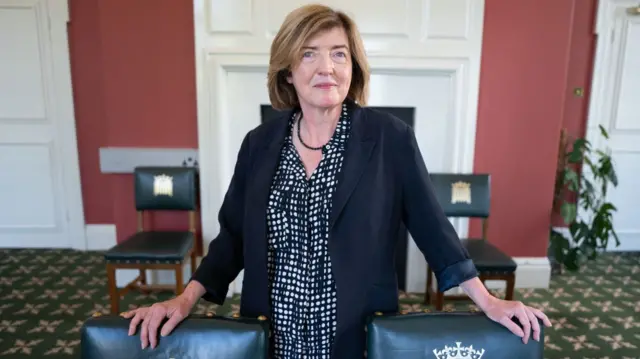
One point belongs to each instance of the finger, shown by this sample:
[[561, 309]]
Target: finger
[[171, 324], [154, 323], [513, 327], [135, 321], [128, 314], [535, 326], [524, 322], [144, 329], [538, 313]]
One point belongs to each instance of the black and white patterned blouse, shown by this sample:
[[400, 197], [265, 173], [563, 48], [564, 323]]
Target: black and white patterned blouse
[[302, 288]]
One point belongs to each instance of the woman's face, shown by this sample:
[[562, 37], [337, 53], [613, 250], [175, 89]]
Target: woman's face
[[323, 76]]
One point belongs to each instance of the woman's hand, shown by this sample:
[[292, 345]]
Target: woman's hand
[[502, 311], [175, 309]]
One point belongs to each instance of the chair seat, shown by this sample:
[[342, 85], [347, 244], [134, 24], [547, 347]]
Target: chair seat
[[152, 247], [488, 258]]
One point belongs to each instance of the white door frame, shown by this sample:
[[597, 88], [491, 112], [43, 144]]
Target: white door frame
[[606, 62], [66, 124]]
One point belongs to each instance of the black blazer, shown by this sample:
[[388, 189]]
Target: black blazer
[[384, 181]]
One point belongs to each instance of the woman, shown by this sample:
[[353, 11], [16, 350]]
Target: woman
[[314, 205]]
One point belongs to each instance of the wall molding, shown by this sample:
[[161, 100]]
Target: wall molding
[[126, 159], [100, 237]]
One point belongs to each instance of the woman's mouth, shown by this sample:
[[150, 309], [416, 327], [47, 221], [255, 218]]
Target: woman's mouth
[[324, 86]]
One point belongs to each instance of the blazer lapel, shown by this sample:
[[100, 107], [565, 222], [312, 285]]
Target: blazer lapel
[[356, 157]]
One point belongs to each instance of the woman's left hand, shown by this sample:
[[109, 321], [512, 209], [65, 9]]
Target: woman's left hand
[[502, 311]]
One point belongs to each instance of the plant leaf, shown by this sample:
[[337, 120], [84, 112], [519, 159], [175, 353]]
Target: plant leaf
[[568, 212], [603, 132]]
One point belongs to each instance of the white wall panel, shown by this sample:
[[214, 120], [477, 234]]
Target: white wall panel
[[448, 19], [21, 87]]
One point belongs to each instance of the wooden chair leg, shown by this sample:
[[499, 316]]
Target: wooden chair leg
[[194, 257], [113, 289], [179, 279], [427, 293], [143, 281], [439, 300], [511, 282]]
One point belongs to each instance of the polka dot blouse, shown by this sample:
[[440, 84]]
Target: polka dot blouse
[[302, 287]]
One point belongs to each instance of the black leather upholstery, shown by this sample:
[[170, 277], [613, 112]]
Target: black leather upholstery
[[197, 337], [478, 187], [488, 258], [455, 335], [165, 188], [152, 247]]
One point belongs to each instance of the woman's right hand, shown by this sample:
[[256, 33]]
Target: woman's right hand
[[150, 318]]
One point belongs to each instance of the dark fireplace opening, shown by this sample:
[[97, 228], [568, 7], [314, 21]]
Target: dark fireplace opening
[[406, 114]]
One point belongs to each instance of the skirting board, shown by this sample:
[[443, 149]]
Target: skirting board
[[629, 242], [103, 236]]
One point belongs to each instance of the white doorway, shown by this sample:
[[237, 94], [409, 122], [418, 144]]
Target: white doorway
[[614, 99], [40, 194]]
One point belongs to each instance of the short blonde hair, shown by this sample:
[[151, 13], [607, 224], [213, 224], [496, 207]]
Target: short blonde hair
[[298, 27]]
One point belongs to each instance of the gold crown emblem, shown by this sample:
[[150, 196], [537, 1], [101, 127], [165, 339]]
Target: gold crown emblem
[[461, 192], [163, 185], [458, 352]]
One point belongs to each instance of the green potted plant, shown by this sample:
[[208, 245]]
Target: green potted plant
[[584, 176]]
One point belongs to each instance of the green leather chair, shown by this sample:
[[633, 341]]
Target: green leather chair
[[469, 195], [196, 337], [157, 189], [442, 335]]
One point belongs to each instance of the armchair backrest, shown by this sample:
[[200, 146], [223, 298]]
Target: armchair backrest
[[446, 335], [463, 194], [106, 336]]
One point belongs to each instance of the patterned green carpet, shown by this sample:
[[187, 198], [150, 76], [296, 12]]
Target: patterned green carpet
[[46, 294]]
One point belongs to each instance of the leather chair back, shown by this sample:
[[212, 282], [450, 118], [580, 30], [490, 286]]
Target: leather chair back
[[196, 337], [166, 188], [446, 335], [462, 194]]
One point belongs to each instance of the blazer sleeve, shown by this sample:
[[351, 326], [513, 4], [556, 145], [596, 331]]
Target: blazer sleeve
[[224, 259], [424, 218]]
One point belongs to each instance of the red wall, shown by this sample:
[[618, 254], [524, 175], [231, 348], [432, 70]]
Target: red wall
[[534, 53], [134, 82], [133, 71]]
